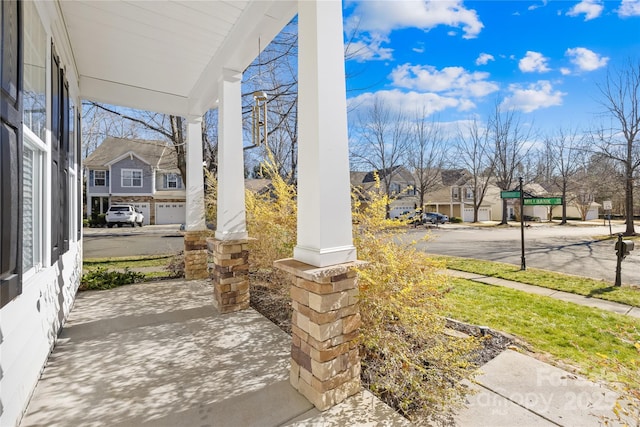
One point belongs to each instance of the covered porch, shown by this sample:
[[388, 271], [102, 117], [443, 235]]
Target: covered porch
[[184, 58], [160, 354]]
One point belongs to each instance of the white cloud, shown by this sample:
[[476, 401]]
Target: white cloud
[[565, 71], [453, 81], [532, 97], [533, 62], [629, 8], [484, 58], [590, 8], [536, 6], [409, 102], [382, 17], [369, 49], [585, 59]]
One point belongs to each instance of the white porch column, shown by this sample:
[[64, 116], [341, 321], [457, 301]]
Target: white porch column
[[231, 221], [324, 200], [195, 178]]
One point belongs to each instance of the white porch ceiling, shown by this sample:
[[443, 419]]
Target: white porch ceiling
[[166, 55]]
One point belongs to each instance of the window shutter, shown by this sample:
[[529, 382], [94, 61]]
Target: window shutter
[[107, 180], [165, 181], [10, 151], [91, 180], [56, 218]]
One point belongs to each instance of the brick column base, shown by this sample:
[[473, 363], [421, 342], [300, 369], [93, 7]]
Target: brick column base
[[325, 364], [230, 274], [195, 255]]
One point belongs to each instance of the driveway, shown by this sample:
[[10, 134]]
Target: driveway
[[127, 241], [577, 250]]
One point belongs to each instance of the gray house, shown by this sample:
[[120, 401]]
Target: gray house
[[138, 172]]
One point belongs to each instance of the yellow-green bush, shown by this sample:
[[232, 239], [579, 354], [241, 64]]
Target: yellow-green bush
[[407, 360]]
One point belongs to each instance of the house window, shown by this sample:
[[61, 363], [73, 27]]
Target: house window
[[131, 178], [35, 74], [99, 178], [455, 192], [468, 193], [172, 180], [32, 202]]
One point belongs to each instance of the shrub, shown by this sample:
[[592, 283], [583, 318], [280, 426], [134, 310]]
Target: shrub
[[101, 278], [176, 265], [407, 360], [97, 220], [455, 220]]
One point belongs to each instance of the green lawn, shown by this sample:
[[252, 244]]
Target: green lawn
[[573, 334], [153, 267], [547, 279]]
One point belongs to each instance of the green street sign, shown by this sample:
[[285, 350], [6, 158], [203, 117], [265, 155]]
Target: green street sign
[[545, 201], [509, 194]]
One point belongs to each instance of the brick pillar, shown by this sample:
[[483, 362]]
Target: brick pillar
[[325, 364], [230, 274], [195, 255]]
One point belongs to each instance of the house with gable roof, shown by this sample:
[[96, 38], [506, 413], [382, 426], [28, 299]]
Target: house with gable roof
[[142, 173]]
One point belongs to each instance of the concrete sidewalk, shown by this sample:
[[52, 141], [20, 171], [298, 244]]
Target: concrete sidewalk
[[538, 290], [158, 354]]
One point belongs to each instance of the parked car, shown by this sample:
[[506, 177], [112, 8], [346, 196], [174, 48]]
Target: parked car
[[437, 217], [124, 214]]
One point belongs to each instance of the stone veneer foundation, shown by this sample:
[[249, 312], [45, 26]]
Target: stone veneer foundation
[[230, 274], [195, 255], [325, 364]]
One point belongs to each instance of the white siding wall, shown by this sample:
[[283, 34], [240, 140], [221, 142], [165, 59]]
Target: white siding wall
[[29, 328]]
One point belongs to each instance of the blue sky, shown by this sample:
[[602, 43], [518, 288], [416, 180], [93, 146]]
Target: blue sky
[[458, 58]]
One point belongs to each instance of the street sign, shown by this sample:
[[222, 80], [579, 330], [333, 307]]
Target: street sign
[[543, 201], [607, 205], [509, 194]]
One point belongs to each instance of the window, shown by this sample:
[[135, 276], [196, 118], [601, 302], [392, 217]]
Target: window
[[35, 75], [468, 193], [32, 196], [172, 180], [455, 192], [131, 178], [99, 178]]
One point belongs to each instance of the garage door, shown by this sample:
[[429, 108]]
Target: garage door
[[170, 213], [144, 208], [484, 214]]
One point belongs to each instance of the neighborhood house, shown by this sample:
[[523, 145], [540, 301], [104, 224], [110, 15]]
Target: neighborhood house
[[141, 173]]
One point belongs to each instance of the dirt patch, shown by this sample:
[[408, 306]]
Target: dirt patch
[[274, 303]]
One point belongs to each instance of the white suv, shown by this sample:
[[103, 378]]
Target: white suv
[[123, 214]]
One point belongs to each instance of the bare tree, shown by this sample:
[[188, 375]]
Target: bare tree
[[425, 155], [565, 152], [511, 145], [98, 124], [382, 142], [621, 100], [475, 153]]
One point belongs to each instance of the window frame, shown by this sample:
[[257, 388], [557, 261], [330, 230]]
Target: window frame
[[95, 179], [40, 150], [132, 171]]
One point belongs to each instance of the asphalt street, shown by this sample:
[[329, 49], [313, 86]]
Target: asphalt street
[[126, 241], [578, 250]]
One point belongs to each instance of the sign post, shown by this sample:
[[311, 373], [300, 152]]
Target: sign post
[[607, 205], [523, 263]]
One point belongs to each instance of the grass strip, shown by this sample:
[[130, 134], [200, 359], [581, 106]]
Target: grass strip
[[548, 279], [574, 334]]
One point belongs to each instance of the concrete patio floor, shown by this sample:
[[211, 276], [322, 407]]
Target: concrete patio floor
[[159, 354]]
